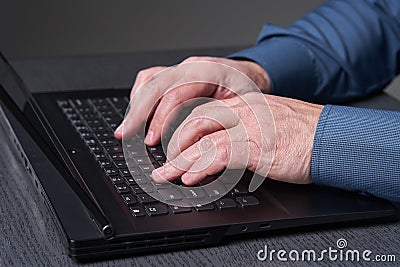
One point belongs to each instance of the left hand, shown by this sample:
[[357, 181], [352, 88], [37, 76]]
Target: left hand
[[274, 134]]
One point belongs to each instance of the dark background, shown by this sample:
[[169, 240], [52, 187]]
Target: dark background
[[81, 27]]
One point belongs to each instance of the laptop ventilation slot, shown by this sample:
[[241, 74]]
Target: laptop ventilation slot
[[165, 240]]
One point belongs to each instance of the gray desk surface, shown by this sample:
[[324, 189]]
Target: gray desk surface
[[28, 236]]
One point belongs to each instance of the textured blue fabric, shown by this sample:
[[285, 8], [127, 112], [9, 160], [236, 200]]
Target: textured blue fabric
[[348, 49], [341, 51], [358, 149]]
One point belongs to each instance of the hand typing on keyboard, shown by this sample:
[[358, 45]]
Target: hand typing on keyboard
[[240, 133], [269, 135]]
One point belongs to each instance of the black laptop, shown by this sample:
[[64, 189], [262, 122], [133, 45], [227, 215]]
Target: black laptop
[[65, 140]]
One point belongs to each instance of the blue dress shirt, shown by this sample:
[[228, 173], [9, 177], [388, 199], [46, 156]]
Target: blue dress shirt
[[342, 51]]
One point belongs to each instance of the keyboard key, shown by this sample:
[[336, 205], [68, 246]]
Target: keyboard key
[[155, 149], [156, 210], [161, 185], [108, 143], [225, 203], [206, 207], [159, 157], [99, 156], [137, 189], [216, 189], [247, 201], [145, 198], [178, 210], [130, 181], [104, 163], [147, 168], [117, 180], [120, 164], [125, 173], [141, 180], [170, 194], [114, 149], [117, 156], [90, 141], [105, 135], [129, 199], [239, 189], [148, 188], [143, 160], [193, 192], [138, 211], [111, 171], [121, 189], [134, 172]]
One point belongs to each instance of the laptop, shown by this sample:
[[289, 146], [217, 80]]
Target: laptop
[[102, 209]]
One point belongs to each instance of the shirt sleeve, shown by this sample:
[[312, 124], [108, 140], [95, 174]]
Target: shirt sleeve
[[358, 149], [341, 51]]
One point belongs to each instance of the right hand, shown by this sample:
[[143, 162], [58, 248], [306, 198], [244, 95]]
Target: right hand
[[162, 105]]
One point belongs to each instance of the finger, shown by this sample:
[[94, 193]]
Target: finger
[[174, 169], [172, 100], [142, 77], [182, 163], [226, 154], [206, 119], [144, 100]]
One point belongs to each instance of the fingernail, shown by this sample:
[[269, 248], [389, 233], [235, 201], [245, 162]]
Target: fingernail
[[149, 137]]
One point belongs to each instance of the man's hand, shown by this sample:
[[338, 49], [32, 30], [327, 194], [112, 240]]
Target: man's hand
[[241, 133], [156, 102]]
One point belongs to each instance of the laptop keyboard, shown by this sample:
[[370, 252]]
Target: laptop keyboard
[[95, 119]]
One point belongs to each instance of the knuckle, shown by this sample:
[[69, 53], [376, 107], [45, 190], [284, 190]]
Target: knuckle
[[198, 111], [223, 153], [192, 59], [172, 96]]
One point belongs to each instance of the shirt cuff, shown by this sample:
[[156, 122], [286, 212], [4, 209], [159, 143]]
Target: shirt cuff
[[288, 64], [358, 150]]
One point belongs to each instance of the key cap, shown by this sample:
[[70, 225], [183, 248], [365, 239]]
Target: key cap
[[145, 198], [156, 210], [206, 207], [147, 168], [161, 185], [137, 189], [121, 189], [109, 142], [239, 189], [247, 201], [114, 149], [143, 160], [178, 210], [117, 180], [130, 181], [217, 189], [111, 171], [124, 172], [159, 157], [117, 156], [120, 164], [104, 163], [193, 192], [129, 199], [138, 211], [141, 180], [225, 203], [170, 194]]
